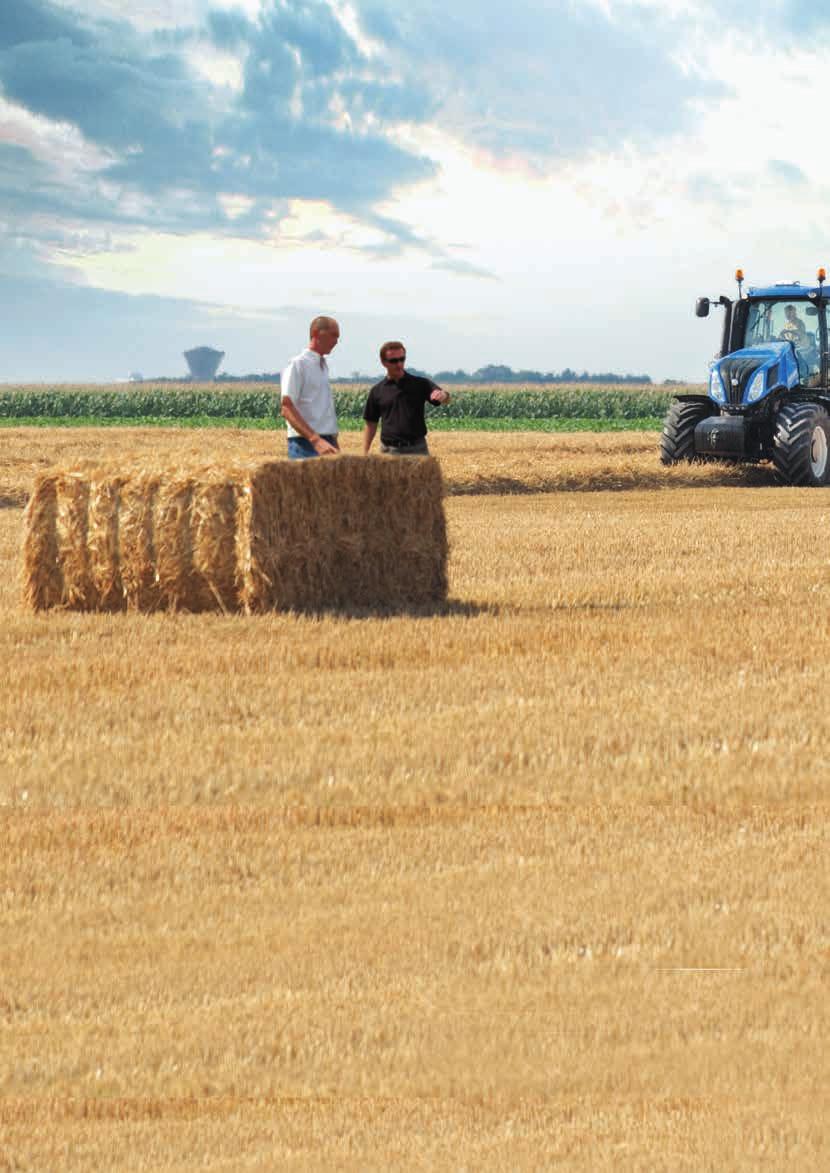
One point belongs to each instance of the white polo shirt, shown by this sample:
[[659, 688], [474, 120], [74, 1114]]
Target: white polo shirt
[[305, 381]]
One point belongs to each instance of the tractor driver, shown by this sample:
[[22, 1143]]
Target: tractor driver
[[806, 353], [794, 329]]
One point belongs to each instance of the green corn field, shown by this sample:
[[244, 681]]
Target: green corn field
[[250, 401]]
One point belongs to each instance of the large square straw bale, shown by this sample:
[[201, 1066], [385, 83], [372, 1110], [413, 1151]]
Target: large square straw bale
[[343, 533]]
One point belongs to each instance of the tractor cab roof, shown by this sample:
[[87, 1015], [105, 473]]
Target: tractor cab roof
[[791, 290]]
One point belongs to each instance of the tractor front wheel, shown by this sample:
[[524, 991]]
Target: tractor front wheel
[[801, 444], [677, 442]]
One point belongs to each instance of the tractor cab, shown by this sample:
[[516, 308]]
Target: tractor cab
[[774, 340]]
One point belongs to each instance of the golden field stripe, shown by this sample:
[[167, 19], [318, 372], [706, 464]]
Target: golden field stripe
[[33, 829]]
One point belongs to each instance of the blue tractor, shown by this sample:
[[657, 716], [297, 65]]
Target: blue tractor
[[769, 388]]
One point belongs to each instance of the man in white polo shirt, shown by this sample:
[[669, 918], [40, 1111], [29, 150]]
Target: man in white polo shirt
[[307, 403]]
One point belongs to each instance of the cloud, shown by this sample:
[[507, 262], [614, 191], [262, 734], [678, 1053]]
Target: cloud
[[327, 110], [117, 95], [789, 173], [804, 18], [36, 21], [314, 116], [463, 268], [545, 79], [797, 20], [303, 126], [229, 28]]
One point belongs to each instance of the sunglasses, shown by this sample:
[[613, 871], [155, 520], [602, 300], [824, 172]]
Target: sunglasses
[[391, 362]]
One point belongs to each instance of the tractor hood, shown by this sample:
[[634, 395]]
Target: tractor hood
[[747, 376]]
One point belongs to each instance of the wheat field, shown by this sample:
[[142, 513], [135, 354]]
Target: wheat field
[[536, 880]]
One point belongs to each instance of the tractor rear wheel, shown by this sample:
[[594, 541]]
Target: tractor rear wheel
[[801, 444], [677, 442]]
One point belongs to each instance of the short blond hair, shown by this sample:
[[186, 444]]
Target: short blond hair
[[322, 322], [387, 346]]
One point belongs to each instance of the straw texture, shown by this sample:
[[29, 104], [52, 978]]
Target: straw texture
[[348, 532]]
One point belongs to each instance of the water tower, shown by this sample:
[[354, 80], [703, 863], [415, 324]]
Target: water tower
[[203, 362]]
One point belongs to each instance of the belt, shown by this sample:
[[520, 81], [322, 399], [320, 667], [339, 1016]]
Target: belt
[[403, 443]]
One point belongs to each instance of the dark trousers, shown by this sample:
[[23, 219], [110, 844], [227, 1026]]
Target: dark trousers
[[418, 448]]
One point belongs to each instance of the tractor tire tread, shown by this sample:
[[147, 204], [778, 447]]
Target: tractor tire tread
[[791, 441], [677, 442]]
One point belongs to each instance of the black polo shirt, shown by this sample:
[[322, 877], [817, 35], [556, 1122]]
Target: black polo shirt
[[400, 405]]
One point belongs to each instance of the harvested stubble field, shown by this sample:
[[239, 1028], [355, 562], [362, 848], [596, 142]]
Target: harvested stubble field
[[539, 879]]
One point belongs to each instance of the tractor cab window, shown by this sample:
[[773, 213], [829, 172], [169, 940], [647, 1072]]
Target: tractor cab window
[[788, 321]]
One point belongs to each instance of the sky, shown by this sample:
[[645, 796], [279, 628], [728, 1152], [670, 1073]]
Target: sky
[[544, 184]]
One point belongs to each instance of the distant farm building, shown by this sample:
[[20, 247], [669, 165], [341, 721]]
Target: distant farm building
[[203, 362]]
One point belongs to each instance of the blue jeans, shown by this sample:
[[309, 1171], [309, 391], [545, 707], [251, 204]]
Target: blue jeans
[[301, 449]]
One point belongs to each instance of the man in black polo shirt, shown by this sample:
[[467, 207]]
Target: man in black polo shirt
[[398, 402]]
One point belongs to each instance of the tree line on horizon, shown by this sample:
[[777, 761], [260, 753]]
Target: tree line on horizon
[[497, 373], [493, 373]]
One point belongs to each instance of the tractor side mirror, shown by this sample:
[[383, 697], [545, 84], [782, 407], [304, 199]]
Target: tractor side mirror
[[702, 307]]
